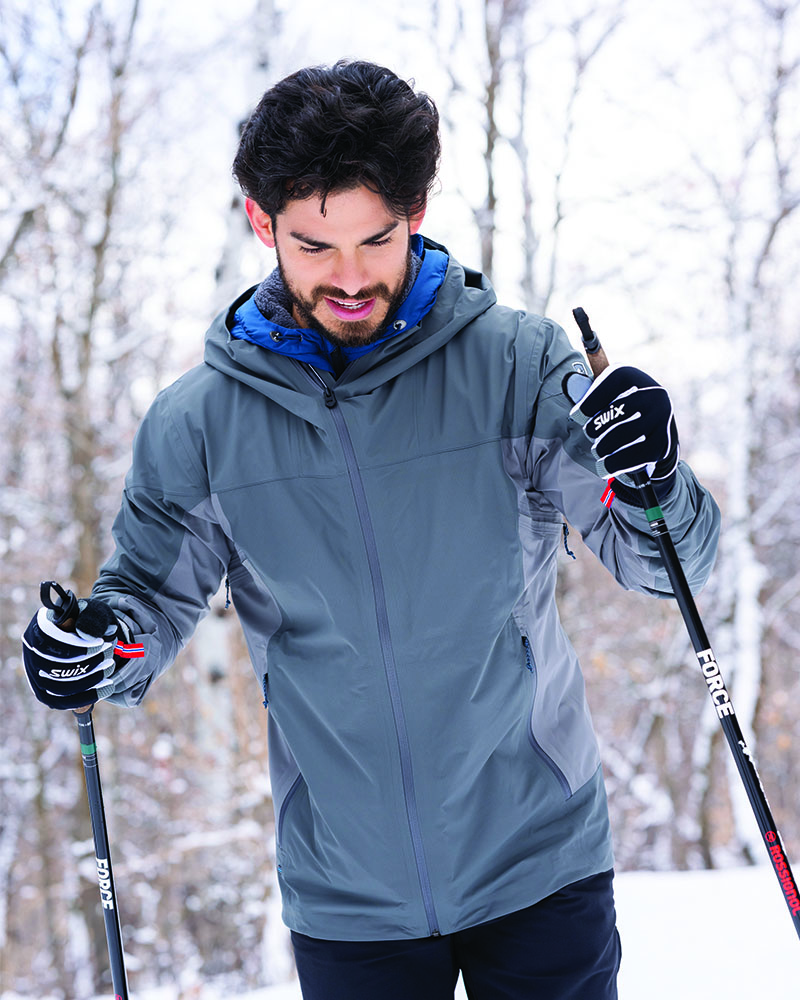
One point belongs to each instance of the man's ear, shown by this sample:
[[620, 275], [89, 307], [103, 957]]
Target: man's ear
[[261, 223], [415, 220]]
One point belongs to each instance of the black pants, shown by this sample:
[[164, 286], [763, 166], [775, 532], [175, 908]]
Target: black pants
[[565, 947]]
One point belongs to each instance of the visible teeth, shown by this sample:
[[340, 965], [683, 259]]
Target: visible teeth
[[348, 305]]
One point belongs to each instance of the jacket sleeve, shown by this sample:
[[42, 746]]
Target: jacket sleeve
[[170, 552], [560, 466]]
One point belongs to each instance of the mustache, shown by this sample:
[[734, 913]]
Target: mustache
[[379, 291]]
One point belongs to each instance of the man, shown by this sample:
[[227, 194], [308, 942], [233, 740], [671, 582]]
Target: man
[[380, 459]]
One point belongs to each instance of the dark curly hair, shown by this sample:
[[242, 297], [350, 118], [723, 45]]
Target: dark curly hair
[[326, 129]]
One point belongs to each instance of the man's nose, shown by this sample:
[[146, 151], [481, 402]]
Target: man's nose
[[349, 273]]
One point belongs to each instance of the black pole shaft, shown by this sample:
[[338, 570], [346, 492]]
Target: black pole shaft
[[105, 875], [723, 705]]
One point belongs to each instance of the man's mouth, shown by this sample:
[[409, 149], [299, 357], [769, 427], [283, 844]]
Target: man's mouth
[[350, 309]]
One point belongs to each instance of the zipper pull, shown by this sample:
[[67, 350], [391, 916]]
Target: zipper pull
[[313, 374]]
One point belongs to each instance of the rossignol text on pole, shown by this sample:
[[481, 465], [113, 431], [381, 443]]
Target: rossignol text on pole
[[709, 667], [65, 608]]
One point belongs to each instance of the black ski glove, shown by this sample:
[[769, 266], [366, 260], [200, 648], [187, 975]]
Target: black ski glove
[[628, 418], [70, 669]]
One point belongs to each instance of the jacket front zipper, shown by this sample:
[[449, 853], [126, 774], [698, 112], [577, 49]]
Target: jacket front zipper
[[387, 650]]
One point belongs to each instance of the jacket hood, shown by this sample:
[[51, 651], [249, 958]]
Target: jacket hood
[[445, 297]]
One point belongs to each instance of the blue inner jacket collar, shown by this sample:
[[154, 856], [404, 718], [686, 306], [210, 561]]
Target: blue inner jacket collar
[[310, 346]]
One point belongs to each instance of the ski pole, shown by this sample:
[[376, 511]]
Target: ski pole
[[65, 608], [723, 705]]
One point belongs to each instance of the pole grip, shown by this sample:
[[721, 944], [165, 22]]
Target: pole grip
[[65, 614], [595, 354], [64, 605]]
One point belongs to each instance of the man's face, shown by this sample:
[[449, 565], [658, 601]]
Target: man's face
[[346, 270]]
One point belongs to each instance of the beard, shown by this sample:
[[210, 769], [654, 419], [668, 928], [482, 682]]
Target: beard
[[354, 333]]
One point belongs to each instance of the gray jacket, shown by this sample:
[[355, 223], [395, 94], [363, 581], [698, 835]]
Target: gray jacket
[[390, 541]]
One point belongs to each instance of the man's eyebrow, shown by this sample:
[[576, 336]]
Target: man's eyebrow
[[384, 232], [311, 242], [321, 245]]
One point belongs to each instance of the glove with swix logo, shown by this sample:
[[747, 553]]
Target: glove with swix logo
[[628, 418], [72, 669]]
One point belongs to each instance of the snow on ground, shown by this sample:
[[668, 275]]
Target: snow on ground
[[692, 935], [706, 935]]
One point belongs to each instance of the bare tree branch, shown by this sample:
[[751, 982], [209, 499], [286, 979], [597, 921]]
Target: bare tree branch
[[24, 224]]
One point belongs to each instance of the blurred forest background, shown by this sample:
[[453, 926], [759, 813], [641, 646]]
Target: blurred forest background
[[640, 160]]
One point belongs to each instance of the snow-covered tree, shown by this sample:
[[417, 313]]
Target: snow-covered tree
[[514, 74]]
